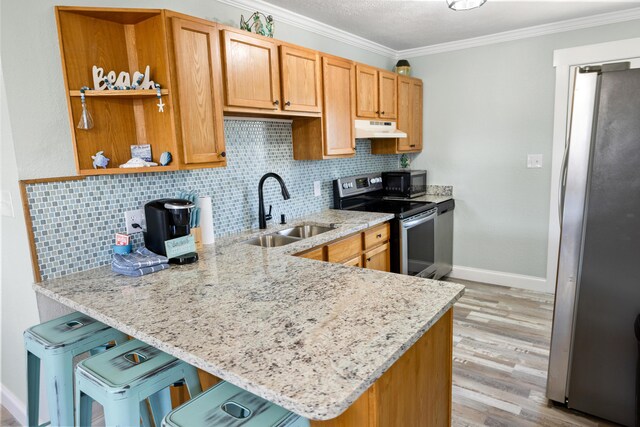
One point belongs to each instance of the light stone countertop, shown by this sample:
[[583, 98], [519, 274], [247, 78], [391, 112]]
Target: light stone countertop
[[432, 198], [307, 335]]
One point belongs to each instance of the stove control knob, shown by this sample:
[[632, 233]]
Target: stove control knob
[[345, 185]]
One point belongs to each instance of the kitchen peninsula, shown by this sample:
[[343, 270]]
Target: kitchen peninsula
[[326, 341]]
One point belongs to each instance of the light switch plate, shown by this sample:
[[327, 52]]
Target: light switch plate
[[7, 204], [317, 188], [534, 161]]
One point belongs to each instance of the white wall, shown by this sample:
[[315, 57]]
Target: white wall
[[485, 109], [17, 299], [36, 140], [33, 74]]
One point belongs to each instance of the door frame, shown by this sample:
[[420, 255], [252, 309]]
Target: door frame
[[563, 61]]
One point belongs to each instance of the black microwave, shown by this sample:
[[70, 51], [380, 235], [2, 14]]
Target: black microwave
[[405, 183]]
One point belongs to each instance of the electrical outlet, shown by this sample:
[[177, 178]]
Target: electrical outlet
[[534, 161], [135, 221], [317, 188]]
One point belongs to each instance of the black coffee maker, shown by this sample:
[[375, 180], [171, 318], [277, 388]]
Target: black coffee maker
[[168, 219]]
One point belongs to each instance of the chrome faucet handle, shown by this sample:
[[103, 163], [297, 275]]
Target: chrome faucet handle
[[268, 216]]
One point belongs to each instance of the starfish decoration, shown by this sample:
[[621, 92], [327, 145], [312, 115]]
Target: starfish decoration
[[160, 106]]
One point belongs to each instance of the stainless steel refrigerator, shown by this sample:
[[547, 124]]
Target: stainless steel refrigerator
[[594, 348]]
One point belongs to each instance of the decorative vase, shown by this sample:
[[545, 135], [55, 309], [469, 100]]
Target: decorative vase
[[403, 67]]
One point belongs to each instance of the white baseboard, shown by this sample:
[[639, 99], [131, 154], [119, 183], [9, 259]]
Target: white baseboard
[[501, 278], [14, 405]]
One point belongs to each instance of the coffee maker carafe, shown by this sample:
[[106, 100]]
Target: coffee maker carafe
[[168, 219]]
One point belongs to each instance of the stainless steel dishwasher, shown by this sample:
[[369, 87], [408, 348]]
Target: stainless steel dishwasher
[[444, 239]]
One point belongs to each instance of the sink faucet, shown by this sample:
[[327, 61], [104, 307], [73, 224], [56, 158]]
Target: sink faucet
[[262, 217]]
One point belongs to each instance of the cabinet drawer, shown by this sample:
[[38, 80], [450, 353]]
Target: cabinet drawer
[[344, 249], [316, 253], [376, 235]]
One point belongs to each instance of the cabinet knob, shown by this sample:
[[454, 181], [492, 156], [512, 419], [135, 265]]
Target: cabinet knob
[[276, 102], [223, 154], [287, 103], [368, 259], [379, 236], [382, 112], [377, 112]]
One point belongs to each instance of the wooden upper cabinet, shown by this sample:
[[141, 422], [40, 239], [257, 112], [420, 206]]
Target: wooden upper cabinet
[[387, 95], [367, 91], [410, 120], [339, 99], [300, 79], [417, 118], [251, 71], [197, 65], [405, 123]]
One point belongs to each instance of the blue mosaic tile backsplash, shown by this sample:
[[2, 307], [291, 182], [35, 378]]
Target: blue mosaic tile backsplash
[[74, 221]]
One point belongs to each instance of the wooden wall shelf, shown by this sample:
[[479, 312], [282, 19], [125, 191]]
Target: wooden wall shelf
[[116, 170], [120, 93]]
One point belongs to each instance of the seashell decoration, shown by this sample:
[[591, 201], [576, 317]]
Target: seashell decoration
[[165, 158]]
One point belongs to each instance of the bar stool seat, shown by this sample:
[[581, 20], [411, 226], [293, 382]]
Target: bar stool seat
[[54, 344], [227, 405], [121, 379]]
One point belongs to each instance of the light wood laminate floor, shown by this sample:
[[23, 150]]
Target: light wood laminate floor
[[500, 356]]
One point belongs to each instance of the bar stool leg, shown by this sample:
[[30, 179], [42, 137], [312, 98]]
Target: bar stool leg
[[33, 389], [122, 413], [83, 409], [160, 403], [192, 381], [59, 370], [144, 414]]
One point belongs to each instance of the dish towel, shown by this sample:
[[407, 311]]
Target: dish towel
[[139, 263]]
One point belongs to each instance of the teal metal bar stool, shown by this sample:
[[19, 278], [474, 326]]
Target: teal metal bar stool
[[227, 405], [55, 343], [122, 378]]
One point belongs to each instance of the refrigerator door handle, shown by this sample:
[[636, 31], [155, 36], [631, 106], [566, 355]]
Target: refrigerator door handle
[[562, 184]]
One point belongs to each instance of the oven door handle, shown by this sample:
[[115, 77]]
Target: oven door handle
[[419, 219]]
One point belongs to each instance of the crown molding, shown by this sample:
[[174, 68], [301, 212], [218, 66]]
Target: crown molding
[[309, 24], [523, 33], [304, 22]]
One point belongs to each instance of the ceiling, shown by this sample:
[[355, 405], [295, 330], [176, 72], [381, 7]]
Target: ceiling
[[399, 24]]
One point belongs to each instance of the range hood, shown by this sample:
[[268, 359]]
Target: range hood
[[377, 129]]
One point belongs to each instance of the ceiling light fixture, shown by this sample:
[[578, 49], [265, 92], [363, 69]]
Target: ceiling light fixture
[[465, 4]]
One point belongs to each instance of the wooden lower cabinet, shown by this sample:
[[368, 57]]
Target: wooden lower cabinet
[[414, 392], [378, 258], [344, 249], [316, 253], [354, 262], [367, 249]]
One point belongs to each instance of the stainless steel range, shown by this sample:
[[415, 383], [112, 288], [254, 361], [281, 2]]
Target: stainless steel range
[[412, 229]]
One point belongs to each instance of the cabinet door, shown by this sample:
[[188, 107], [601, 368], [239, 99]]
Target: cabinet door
[[300, 79], [344, 249], [316, 253], [339, 101], [367, 91], [388, 96], [199, 89], [378, 258], [251, 71], [405, 120], [354, 262], [416, 115]]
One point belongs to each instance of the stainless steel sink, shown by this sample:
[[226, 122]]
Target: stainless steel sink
[[271, 240], [304, 231]]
